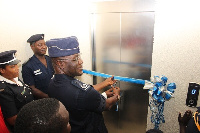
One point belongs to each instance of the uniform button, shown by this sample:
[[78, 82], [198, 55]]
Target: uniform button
[[25, 96], [30, 93]]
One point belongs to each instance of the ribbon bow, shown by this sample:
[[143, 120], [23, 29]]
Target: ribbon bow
[[159, 93]]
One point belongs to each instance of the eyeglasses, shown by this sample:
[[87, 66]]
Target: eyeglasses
[[76, 59]]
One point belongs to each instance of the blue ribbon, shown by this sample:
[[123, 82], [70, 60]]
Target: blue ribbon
[[125, 79], [158, 92]]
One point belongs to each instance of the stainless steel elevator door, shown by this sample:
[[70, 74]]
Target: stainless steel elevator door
[[122, 45]]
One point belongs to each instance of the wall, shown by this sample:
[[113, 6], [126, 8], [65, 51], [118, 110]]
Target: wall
[[176, 40], [176, 53], [61, 18]]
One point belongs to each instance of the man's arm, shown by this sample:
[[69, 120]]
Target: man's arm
[[105, 83], [183, 121]]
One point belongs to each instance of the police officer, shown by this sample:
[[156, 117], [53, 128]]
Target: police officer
[[13, 92], [84, 103], [38, 70]]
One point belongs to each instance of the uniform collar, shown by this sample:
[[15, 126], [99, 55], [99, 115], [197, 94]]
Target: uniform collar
[[36, 59], [63, 76], [11, 82]]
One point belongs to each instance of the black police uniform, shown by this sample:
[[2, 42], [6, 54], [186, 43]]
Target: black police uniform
[[84, 103], [192, 127], [35, 73], [13, 97]]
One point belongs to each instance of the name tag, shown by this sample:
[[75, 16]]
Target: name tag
[[37, 72]]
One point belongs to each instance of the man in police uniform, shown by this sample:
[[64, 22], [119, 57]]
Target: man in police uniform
[[38, 70], [14, 94], [84, 103]]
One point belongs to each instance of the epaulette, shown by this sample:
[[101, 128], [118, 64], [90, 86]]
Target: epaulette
[[25, 62], [80, 85]]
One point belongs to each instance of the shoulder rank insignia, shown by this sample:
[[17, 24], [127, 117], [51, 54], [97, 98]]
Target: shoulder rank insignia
[[80, 85]]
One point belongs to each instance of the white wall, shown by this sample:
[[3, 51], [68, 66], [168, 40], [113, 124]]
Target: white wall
[[176, 41], [19, 19], [176, 53]]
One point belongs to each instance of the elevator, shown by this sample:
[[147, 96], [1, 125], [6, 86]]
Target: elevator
[[122, 45]]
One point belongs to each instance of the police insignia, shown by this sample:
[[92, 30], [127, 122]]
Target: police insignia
[[80, 85]]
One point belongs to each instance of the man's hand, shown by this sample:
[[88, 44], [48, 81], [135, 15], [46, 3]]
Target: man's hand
[[113, 99], [185, 119], [116, 90], [109, 92], [105, 83], [110, 81]]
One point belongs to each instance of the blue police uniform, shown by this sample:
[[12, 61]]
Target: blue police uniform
[[35, 73], [13, 95], [84, 103]]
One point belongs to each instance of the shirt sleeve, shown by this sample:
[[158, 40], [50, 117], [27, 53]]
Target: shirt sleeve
[[27, 75], [92, 100], [7, 103], [104, 94]]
